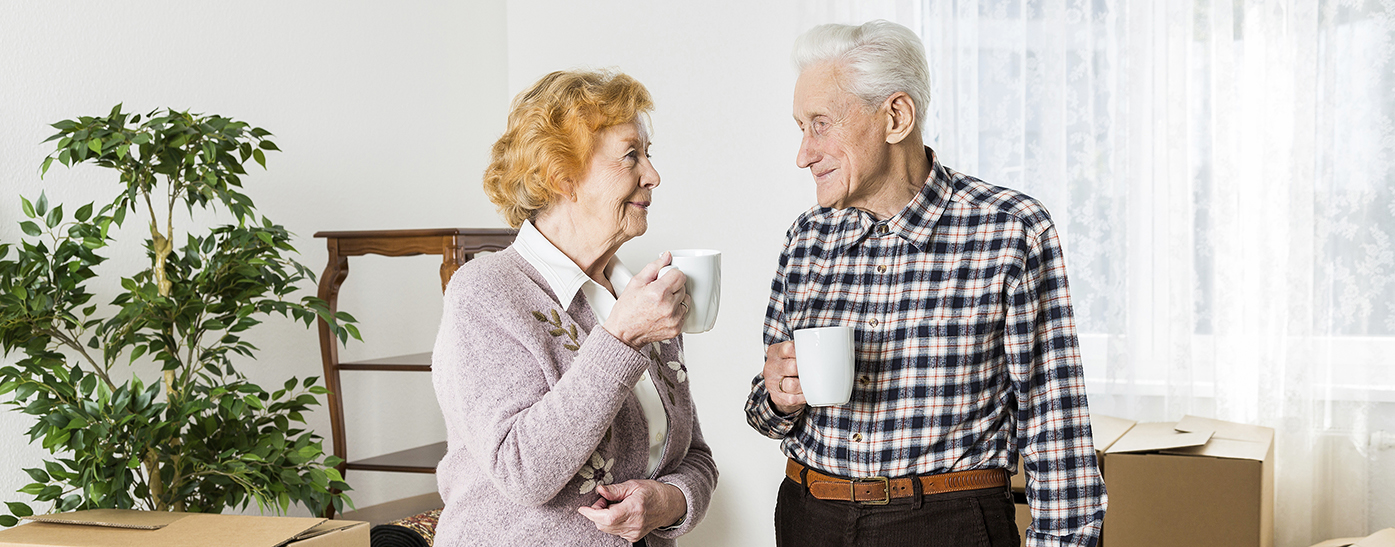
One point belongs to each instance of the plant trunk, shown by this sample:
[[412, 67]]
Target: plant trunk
[[157, 484], [162, 247]]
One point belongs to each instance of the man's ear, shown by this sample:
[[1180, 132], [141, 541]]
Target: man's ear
[[900, 117]]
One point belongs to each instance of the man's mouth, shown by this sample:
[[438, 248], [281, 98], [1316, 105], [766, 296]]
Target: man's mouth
[[641, 204]]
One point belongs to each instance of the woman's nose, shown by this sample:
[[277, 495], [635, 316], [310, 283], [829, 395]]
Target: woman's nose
[[650, 177]]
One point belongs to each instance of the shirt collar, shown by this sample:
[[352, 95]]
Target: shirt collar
[[563, 276], [916, 222]]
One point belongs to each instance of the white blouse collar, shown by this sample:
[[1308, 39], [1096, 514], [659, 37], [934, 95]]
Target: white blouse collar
[[563, 276]]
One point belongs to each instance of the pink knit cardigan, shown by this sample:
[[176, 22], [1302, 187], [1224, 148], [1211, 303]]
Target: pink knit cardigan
[[539, 409]]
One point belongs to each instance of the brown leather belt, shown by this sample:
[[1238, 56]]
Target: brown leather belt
[[881, 490]]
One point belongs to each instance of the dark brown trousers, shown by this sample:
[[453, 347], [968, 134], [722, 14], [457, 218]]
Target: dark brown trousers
[[973, 518]]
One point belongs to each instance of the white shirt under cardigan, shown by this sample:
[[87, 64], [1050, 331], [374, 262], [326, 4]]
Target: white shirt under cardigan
[[565, 278]]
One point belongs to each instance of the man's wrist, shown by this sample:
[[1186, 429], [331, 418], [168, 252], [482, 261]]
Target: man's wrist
[[784, 413]]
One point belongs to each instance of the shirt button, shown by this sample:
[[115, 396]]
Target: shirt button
[[883, 229], [865, 380], [857, 437], [872, 321], [881, 268]]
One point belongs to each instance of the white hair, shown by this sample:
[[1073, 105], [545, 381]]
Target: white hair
[[878, 58]]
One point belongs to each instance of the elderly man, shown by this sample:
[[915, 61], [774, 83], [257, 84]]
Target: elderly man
[[966, 346]]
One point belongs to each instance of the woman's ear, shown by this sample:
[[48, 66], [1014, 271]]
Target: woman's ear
[[900, 117], [568, 188]]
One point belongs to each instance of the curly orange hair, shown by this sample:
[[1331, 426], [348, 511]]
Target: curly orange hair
[[550, 136]]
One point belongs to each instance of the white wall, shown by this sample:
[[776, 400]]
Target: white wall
[[385, 113]]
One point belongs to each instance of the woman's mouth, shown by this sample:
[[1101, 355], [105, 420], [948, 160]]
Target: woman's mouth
[[643, 205]]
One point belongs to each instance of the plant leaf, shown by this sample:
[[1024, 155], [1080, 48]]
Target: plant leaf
[[54, 217], [19, 509], [37, 474]]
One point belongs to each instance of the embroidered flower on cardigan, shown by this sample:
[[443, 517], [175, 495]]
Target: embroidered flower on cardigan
[[680, 373], [596, 471], [556, 322]]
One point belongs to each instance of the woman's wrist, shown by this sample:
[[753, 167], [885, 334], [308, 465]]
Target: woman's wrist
[[621, 335], [680, 503]]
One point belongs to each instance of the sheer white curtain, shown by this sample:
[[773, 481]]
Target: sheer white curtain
[[1221, 171]]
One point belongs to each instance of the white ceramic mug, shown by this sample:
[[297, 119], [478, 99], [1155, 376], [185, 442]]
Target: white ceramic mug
[[704, 270], [826, 358]]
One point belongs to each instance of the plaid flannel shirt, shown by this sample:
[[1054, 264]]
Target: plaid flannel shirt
[[966, 348]]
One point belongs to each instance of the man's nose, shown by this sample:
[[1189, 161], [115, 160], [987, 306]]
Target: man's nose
[[807, 155]]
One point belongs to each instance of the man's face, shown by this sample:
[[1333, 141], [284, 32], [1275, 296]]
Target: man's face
[[844, 143]]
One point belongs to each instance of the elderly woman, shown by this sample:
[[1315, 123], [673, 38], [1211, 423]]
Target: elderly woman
[[560, 371]]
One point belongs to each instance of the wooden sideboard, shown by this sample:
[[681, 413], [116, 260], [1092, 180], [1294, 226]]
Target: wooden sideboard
[[456, 247]]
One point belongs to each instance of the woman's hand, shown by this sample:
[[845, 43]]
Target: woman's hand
[[632, 509], [651, 308]]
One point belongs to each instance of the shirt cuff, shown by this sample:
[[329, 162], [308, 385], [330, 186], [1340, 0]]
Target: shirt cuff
[[765, 418], [1086, 537]]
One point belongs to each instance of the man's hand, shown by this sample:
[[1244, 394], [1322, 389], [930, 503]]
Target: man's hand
[[782, 378], [632, 509]]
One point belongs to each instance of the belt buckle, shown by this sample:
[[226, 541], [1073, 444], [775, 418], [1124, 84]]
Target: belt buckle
[[886, 490]]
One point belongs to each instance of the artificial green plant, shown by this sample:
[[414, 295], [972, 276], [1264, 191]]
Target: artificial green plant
[[202, 437]]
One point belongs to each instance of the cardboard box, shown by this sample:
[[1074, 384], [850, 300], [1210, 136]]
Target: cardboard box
[[1024, 519], [126, 528], [1198, 482], [1383, 538]]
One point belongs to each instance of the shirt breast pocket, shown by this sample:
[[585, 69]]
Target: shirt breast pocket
[[953, 335]]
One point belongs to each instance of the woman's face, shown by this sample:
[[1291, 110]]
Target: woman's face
[[614, 193]]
